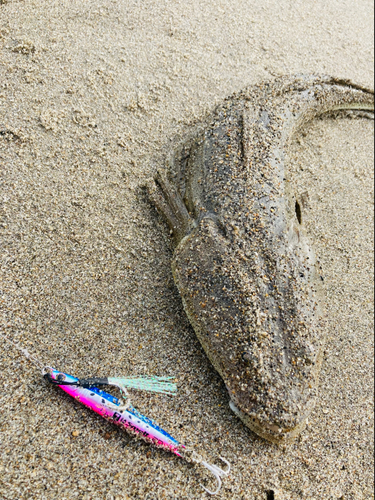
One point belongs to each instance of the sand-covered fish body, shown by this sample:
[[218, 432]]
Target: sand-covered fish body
[[243, 264]]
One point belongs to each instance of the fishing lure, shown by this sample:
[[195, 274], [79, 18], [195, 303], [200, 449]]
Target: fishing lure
[[89, 393]]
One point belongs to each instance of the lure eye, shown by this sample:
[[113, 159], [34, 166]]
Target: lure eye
[[60, 377]]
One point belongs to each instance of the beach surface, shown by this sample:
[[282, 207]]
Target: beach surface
[[94, 97]]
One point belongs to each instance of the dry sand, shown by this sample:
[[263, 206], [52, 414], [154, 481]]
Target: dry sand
[[93, 96]]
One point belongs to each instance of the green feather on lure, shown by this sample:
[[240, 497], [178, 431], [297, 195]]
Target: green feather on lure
[[161, 385]]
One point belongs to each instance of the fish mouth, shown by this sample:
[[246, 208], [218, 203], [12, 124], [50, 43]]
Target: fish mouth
[[269, 432]]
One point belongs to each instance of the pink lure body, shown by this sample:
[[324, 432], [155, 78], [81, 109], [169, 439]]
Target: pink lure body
[[109, 407]]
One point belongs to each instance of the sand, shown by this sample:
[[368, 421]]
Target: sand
[[94, 95]]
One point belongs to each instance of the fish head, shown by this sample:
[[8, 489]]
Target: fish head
[[257, 314]]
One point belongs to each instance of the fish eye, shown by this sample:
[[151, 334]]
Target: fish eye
[[247, 357]]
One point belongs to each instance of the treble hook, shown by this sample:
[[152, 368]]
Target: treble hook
[[218, 473]]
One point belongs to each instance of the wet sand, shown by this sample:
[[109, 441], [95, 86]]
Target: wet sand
[[93, 97]]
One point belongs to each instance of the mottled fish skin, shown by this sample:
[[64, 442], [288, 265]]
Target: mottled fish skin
[[243, 264]]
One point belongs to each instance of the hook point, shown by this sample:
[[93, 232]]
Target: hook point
[[218, 473]]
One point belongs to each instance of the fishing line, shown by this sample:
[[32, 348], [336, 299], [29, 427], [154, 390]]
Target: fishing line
[[34, 360]]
